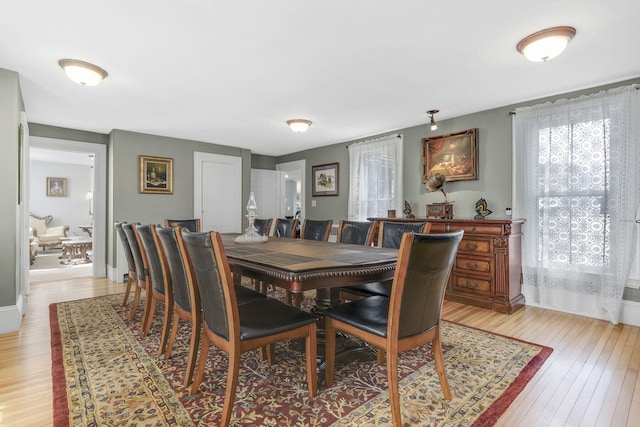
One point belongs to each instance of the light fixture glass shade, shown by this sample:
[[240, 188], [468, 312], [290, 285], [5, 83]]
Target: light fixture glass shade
[[299, 125], [81, 72], [546, 44]]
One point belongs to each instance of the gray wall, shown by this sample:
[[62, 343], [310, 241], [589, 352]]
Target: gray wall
[[128, 204], [10, 107], [494, 181], [259, 161]]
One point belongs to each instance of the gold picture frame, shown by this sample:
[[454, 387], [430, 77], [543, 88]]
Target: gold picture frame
[[454, 155], [156, 175], [56, 187]]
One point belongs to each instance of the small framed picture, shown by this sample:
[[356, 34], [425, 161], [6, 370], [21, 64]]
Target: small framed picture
[[56, 187], [156, 175], [325, 179]]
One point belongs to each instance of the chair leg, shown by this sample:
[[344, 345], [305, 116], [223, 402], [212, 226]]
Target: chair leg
[[437, 355], [230, 392], [136, 301], [126, 292], [149, 313], [166, 324], [312, 368], [201, 365], [172, 338], [329, 352], [193, 349], [149, 303], [380, 356], [394, 395]]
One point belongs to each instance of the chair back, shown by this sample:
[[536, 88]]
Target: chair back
[[356, 232], [422, 272], [390, 233], [172, 267], [286, 227], [192, 225], [135, 251], [125, 245], [206, 265], [316, 230], [263, 226], [150, 257]]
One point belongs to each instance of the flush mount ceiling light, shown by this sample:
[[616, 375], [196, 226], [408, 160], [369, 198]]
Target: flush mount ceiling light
[[81, 72], [434, 126], [299, 125], [546, 44]]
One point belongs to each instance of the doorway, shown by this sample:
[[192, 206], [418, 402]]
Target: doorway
[[292, 186], [82, 167]]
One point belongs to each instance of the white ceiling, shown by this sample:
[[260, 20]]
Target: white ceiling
[[232, 72]]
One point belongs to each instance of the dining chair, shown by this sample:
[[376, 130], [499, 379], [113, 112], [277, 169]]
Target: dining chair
[[141, 276], [186, 298], [160, 291], [316, 230], [357, 232], [263, 226], [410, 318], [238, 328], [131, 266], [389, 236], [286, 227], [192, 225]]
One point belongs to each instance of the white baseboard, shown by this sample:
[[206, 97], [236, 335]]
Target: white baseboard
[[11, 317], [630, 313]]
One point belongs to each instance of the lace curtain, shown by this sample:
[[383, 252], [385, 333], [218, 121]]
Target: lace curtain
[[577, 183], [375, 177]]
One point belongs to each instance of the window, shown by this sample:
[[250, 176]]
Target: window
[[577, 183], [375, 177]]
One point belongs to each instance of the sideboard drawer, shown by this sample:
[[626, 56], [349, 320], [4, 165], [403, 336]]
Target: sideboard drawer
[[471, 284], [479, 245], [473, 265]]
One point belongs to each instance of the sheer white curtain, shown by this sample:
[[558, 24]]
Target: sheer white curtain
[[577, 183], [375, 177]]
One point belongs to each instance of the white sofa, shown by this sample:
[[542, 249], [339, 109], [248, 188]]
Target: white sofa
[[47, 236]]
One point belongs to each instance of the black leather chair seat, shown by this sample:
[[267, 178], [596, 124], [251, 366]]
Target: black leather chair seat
[[369, 314], [371, 289], [245, 295], [269, 317]]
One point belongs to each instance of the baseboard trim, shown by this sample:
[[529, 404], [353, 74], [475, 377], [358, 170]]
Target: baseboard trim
[[11, 317], [630, 313]]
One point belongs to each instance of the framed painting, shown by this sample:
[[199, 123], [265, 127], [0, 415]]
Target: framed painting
[[56, 187], [454, 155], [156, 175], [324, 179]]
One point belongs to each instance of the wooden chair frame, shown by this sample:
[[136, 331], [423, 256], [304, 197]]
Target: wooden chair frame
[[392, 344], [194, 317], [234, 347]]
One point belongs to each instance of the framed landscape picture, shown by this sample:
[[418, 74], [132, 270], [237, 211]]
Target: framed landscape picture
[[56, 187], [325, 179], [156, 175], [454, 155]]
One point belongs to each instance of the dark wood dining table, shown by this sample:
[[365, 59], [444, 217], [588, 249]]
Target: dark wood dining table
[[298, 265]]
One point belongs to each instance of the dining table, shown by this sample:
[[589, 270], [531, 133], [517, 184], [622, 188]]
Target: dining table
[[299, 265]]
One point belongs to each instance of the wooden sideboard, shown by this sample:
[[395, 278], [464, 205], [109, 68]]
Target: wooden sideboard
[[488, 268]]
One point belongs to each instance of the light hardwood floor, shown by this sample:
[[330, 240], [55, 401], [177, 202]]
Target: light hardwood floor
[[590, 379]]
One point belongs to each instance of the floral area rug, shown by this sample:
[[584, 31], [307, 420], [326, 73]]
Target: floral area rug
[[106, 373]]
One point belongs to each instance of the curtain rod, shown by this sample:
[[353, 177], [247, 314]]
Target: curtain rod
[[397, 135]]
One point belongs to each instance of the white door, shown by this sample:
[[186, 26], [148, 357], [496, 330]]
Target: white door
[[265, 185], [218, 192]]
